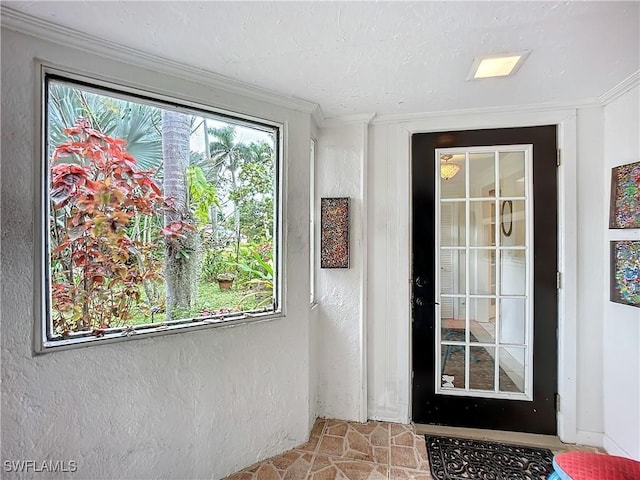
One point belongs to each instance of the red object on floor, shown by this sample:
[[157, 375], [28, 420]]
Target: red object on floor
[[596, 466]]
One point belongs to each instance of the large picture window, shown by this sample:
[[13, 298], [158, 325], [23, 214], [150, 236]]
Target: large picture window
[[157, 216]]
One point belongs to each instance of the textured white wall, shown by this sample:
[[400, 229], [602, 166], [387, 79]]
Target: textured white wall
[[196, 405], [314, 327], [341, 154], [621, 323], [389, 309], [591, 277], [314, 368]]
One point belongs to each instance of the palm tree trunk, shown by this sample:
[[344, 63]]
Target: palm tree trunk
[[236, 214], [213, 212], [180, 254]]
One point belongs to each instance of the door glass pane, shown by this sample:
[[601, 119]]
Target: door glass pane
[[481, 223], [452, 364], [480, 272], [482, 368], [452, 175], [512, 223], [453, 323], [484, 288], [452, 319], [512, 320], [513, 271], [512, 174], [512, 369], [481, 174], [452, 271], [482, 320], [452, 332], [453, 224]]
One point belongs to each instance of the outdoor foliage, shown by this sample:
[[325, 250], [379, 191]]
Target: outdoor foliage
[[136, 123], [143, 221], [256, 267], [97, 268]]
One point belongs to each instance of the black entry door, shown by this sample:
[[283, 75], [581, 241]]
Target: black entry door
[[485, 279]]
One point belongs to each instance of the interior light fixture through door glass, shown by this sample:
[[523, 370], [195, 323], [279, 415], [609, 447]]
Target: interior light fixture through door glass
[[448, 169]]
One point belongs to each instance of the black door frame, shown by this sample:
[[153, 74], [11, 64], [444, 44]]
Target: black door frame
[[539, 307]]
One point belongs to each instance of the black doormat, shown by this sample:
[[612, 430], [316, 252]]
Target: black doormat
[[463, 459]]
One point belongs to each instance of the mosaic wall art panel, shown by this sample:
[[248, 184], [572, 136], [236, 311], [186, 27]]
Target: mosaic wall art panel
[[334, 232], [625, 196], [625, 272]]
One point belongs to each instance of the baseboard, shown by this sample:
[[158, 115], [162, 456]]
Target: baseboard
[[385, 415], [612, 448], [530, 439], [592, 439]]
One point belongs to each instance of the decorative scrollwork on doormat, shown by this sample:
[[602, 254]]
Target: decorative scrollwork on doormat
[[465, 459]]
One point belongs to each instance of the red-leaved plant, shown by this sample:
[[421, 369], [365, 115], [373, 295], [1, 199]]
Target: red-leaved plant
[[97, 268]]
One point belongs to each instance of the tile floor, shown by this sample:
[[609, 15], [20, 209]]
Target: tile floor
[[339, 450]]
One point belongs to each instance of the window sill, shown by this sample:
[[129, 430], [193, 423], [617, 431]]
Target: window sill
[[148, 331]]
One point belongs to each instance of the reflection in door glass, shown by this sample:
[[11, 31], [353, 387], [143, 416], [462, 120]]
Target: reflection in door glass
[[512, 371], [484, 267], [513, 314], [452, 319], [452, 271], [481, 174], [452, 175], [480, 272], [513, 225], [513, 272], [512, 174], [482, 320], [452, 216], [481, 223], [482, 368], [452, 366]]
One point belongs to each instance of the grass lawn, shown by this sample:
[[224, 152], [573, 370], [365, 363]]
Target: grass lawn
[[210, 299]]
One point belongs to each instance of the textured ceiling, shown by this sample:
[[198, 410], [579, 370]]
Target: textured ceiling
[[382, 57]]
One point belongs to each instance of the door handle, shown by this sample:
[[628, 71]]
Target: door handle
[[420, 302], [419, 281]]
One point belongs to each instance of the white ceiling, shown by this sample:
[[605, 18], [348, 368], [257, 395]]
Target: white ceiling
[[382, 57]]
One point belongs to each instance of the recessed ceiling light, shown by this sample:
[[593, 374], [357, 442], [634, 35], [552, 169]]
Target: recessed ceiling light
[[497, 65]]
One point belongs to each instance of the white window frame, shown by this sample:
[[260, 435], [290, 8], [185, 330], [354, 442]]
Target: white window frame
[[44, 342], [312, 221]]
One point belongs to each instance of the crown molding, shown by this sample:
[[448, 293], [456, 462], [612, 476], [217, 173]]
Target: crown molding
[[602, 100], [358, 118], [317, 116], [45, 30], [509, 109], [621, 88]]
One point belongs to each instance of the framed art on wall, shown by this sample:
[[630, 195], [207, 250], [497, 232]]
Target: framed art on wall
[[625, 196], [334, 232], [625, 272]]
